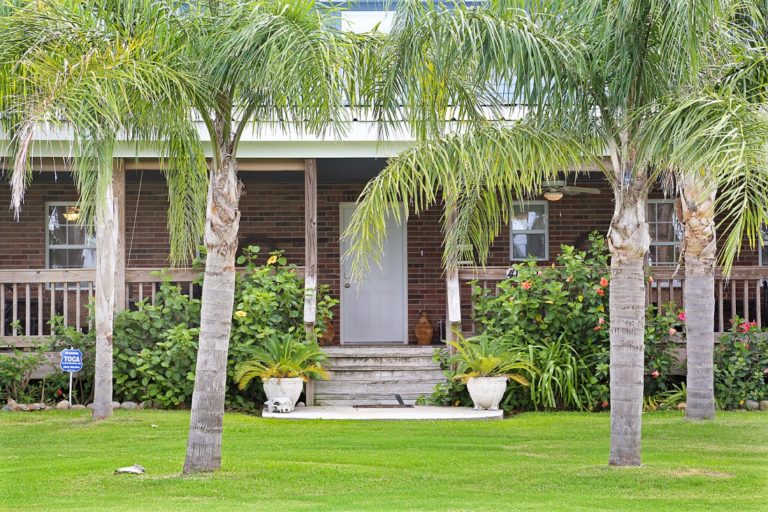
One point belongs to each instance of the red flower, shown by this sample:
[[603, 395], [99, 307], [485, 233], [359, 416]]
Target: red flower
[[672, 331], [601, 320], [655, 374], [681, 316], [605, 403], [597, 328], [59, 392], [526, 285], [600, 292], [603, 281], [539, 273]]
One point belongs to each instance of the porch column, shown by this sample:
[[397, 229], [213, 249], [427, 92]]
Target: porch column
[[310, 259], [118, 189], [453, 296]]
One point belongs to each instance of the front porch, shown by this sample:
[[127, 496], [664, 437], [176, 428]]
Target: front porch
[[300, 207]]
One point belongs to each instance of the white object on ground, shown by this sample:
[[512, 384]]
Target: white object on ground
[[136, 469]]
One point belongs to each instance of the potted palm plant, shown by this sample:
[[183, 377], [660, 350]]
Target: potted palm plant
[[283, 363], [486, 364]]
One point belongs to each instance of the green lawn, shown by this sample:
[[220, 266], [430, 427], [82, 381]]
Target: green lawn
[[62, 461]]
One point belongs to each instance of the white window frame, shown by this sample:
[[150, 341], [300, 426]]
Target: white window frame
[[764, 247], [48, 246], [545, 231], [655, 243]]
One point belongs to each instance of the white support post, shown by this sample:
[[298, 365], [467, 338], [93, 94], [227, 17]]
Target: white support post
[[310, 258]]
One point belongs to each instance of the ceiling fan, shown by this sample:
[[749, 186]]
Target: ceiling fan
[[554, 190]]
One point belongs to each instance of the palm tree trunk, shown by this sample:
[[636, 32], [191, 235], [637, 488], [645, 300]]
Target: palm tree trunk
[[697, 213], [106, 223], [628, 240], [222, 224]]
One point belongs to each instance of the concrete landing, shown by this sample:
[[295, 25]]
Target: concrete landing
[[371, 413]]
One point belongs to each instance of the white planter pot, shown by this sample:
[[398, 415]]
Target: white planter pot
[[289, 388], [487, 392]]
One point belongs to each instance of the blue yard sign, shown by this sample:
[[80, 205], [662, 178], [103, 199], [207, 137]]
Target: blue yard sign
[[71, 361]]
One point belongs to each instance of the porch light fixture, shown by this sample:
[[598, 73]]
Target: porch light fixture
[[72, 213], [553, 195]]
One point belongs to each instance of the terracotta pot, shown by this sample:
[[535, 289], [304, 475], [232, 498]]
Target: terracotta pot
[[424, 330]]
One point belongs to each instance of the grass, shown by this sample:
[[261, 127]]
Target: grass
[[59, 460]]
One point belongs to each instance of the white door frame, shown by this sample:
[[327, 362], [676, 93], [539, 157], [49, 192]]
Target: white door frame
[[404, 228]]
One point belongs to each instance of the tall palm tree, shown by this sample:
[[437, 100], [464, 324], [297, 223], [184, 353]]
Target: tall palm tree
[[263, 63], [594, 77], [103, 70], [738, 107], [238, 65]]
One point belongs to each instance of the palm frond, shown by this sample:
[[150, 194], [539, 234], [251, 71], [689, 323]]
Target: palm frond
[[475, 174]]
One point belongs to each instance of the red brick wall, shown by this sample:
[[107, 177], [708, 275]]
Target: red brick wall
[[273, 217]]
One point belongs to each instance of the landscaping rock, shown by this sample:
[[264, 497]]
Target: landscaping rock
[[681, 406], [90, 406], [300, 404], [15, 406], [751, 405], [764, 405], [115, 405], [63, 405], [129, 405], [146, 404], [36, 407], [78, 406], [7, 408]]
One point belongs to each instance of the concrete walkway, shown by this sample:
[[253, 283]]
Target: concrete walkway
[[373, 413]]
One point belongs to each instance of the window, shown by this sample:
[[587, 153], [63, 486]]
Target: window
[[764, 248], [68, 244], [529, 228], [666, 232]]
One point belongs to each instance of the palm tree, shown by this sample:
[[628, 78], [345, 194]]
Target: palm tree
[[262, 63], [101, 69], [238, 65], [741, 85], [597, 77]]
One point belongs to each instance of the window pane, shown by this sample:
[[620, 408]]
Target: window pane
[[88, 258], [524, 246], [527, 217], [57, 233], [75, 235], [57, 258], [664, 232], [665, 254]]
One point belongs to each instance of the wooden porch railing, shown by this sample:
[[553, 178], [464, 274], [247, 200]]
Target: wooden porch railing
[[743, 293], [29, 299]]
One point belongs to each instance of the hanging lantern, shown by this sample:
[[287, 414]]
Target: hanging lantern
[[72, 213]]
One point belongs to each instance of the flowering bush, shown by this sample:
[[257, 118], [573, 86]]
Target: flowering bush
[[559, 315], [741, 365]]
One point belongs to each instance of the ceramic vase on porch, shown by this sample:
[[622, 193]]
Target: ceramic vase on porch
[[424, 330], [487, 392], [287, 387]]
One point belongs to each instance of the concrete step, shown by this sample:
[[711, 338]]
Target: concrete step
[[394, 374], [373, 400], [379, 362], [379, 351], [371, 375]]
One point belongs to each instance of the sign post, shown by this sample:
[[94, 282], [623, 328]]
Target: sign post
[[71, 362]]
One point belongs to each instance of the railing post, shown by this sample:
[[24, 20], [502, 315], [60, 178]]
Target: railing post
[[118, 189], [453, 294], [310, 259]]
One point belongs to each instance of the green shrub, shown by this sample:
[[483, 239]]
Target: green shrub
[[741, 365], [15, 372], [558, 314]]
